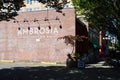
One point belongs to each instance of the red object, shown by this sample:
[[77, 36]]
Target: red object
[[102, 50]]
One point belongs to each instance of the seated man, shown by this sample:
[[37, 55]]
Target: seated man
[[71, 61]]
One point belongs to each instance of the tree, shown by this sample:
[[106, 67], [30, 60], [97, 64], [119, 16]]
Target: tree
[[56, 4], [103, 14], [8, 8], [71, 40]]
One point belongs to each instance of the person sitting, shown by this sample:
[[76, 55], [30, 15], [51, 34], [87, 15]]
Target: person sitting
[[71, 61]]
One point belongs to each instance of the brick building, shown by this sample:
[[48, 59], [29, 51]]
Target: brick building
[[32, 36]]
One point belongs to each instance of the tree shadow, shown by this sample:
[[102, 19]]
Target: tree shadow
[[58, 73]]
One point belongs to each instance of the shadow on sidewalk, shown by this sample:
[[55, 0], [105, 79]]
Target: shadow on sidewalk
[[58, 73]]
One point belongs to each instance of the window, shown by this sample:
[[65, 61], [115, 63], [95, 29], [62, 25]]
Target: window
[[36, 1], [28, 1], [29, 9], [36, 9]]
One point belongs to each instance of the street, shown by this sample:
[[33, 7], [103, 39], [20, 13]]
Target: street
[[38, 71]]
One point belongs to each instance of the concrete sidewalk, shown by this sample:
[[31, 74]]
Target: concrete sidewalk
[[45, 71], [27, 64], [45, 64], [101, 64]]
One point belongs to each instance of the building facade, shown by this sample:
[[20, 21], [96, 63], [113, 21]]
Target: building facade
[[33, 34], [35, 5]]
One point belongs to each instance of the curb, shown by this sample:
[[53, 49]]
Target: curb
[[53, 63], [9, 61], [47, 63]]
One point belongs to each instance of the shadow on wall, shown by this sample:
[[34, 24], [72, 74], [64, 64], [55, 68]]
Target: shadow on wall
[[81, 30]]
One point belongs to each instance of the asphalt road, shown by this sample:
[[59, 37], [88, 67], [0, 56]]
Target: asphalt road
[[37, 71]]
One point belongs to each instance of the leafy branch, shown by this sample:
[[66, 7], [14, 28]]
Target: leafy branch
[[70, 39]]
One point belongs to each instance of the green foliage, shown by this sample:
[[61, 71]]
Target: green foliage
[[9, 8], [101, 13], [71, 40]]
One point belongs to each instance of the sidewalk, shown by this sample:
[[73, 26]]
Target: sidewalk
[[100, 64], [27, 64], [45, 64], [45, 71]]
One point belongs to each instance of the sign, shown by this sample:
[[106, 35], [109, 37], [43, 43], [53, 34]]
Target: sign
[[36, 31]]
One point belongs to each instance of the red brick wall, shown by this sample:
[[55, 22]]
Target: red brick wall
[[34, 44]]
